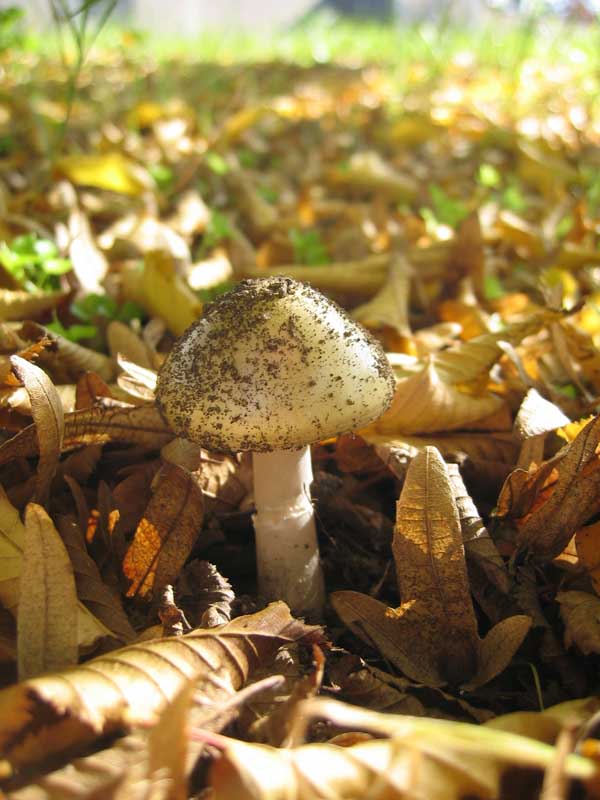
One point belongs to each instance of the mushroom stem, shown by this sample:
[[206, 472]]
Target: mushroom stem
[[287, 551]]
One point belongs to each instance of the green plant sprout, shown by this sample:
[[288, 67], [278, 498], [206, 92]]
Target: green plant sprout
[[95, 311], [308, 247], [217, 231], [445, 210], [83, 34], [33, 262]]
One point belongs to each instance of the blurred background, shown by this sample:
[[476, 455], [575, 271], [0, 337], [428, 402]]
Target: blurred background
[[190, 17]]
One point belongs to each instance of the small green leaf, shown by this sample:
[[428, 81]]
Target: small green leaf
[[512, 198], [489, 176], [492, 288], [564, 226], [446, 209], [308, 247], [216, 163], [268, 194], [162, 174], [247, 158]]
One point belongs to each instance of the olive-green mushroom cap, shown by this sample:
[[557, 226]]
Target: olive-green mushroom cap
[[273, 364]]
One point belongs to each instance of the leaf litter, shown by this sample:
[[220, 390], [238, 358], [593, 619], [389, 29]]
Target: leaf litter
[[455, 215]]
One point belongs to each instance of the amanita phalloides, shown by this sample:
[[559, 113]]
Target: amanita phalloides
[[272, 367]]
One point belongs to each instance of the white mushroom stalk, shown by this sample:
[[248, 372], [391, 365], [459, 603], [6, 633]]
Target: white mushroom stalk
[[287, 549], [272, 367]]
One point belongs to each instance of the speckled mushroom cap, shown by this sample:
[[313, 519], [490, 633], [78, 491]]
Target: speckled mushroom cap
[[272, 365]]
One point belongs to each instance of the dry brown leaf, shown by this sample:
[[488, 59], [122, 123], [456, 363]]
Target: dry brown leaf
[[479, 545], [105, 422], [48, 612], [17, 304], [587, 543], [537, 416], [48, 416], [67, 360], [445, 391], [137, 381], [368, 171], [88, 389], [122, 340], [432, 637], [581, 614], [166, 533], [91, 589], [424, 403], [89, 262], [65, 712], [429, 758], [390, 305], [573, 499], [168, 744], [12, 536], [116, 773]]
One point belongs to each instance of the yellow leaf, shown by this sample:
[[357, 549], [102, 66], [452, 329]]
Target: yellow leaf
[[112, 171], [166, 295]]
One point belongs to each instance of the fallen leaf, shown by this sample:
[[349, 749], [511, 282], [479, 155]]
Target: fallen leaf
[[432, 637], [412, 757], [166, 533], [91, 589], [48, 416], [572, 500], [47, 616], [112, 171], [587, 544], [165, 294], [105, 422], [89, 262], [581, 614], [390, 305], [479, 545], [65, 712], [17, 304]]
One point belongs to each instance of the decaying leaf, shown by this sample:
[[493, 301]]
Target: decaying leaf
[[47, 412], [65, 712], [166, 532], [105, 422], [581, 614], [418, 757], [443, 392], [91, 589], [390, 306], [12, 543], [573, 498], [587, 544], [478, 543], [432, 637], [47, 617]]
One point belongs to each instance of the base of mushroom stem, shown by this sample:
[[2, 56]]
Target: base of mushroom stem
[[287, 551]]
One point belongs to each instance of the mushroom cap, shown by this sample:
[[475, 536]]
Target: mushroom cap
[[271, 365]]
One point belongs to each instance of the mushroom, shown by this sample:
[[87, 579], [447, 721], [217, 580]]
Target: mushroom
[[272, 367]]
